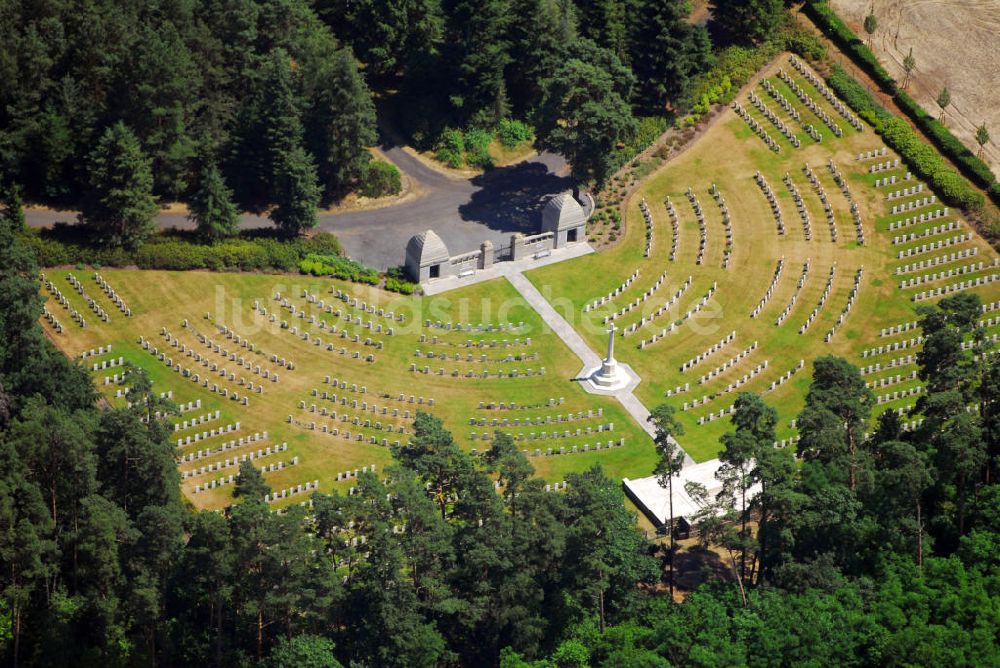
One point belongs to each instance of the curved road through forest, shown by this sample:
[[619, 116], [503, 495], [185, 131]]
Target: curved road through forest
[[463, 211]]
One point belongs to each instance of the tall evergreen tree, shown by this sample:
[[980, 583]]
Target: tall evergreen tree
[[296, 193], [212, 208], [749, 21], [477, 50], [120, 206]]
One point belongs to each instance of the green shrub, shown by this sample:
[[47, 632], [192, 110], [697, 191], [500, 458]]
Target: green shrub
[[477, 148], [450, 148], [338, 267], [381, 178], [513, 132]]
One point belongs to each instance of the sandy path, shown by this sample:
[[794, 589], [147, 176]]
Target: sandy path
[[956, 43]]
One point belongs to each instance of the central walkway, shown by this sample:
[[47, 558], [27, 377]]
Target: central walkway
[[512, 271]]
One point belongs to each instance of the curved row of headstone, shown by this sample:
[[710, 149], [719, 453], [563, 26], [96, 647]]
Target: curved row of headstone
[[771, 199], [727, 223], [94, 352], [515, 406], [677, 390], [905, 192], [647, 216], [664, 308], [895, 346], [712, 417], [827, 289], [108, 364], [479, 327], [74, 315], [324, 326], [234, 462], [947, 258], [521, 437], [884, 166], [234, 444], [244, 362], [898, 394], [816, 81], [91, 302], [711, 350], [702, 227], [358, 304], [481, 343], [924, 217], [205, 435], [795, 295], [871, 155], [675, 226], [197, 421], [935, 245], [472, 374], [747, 377], [483, 358], [52, 320], [851, 298], [932, 231], [770, 289], [888, 381], [303, 488], [821, 193], [957, 287], [195, 377], [728, 364], [635, 303], [347, 475], [913, 204], [756, 127], [112, 295], [597, 303], [537, 420], [756, 101], [361, 422], [800, 205], [789, 108], [343, 351], [895, 363], [785, 377], [807, 100], [674, 325], [939, 275], [859, 229], [899, 329], [572, 450]]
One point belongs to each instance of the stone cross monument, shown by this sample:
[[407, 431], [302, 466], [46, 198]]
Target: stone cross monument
[[610, 375]]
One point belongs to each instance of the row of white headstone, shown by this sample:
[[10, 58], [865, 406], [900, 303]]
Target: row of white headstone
[[537, 420], [886, 381], [841, 108], [112, 295], [957, 287], [544, 435], [947, 258], [935, 245], [914, 204], [770, 289], [728, 364], [795, 295], [747, 377], [851, 298], [663, 308], [225, 446], [903, 344], [929, 232], [772, 200], [756, 101], [638, 301], [895, 363], [675, 226], [714, 348], [785, 377], [924, 217], [807, 100], [601, 301], [647, 216], [756, 127], [938, 275]]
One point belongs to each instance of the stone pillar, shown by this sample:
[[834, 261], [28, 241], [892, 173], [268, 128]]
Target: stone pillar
[[486, 254], [517, 246]]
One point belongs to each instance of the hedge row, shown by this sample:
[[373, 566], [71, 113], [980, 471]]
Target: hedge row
[[838, 31], [179, 251], [897, 133]]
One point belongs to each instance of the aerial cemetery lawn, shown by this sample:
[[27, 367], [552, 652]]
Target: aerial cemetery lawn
[[714, 290], [793, 288]]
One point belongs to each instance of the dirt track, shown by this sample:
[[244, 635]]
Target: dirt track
[[955, 43]]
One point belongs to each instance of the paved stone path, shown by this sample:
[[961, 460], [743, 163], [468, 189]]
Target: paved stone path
[[590, 359]]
